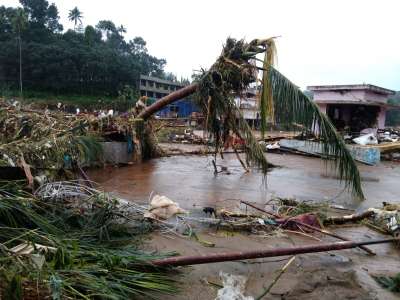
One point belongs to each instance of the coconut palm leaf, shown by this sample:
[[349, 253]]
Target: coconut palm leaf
[[80, 265], [291, 106], [281, 101]]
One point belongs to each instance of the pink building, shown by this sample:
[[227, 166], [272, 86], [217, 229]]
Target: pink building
[[353, 107]]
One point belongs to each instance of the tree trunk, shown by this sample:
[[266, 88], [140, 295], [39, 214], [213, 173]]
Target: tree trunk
[[20, 66], [170, 98]]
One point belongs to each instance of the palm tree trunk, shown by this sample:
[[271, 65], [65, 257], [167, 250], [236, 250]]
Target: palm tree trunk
[[20, 66], [170, 98]]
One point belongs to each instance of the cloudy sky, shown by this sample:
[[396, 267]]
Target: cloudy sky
[[321, 41]]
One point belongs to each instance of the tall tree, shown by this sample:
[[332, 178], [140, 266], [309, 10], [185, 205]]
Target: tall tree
[[19, 23], [121, 29], [107, 28], [75, 15], [69, 62]]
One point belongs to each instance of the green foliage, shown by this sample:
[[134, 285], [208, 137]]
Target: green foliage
[[14, 289], [78, 262], [75, 16], [127, 97], [393, 116], [281, 101], [388, 282], [292, 107], [19, 20], [97, 61]]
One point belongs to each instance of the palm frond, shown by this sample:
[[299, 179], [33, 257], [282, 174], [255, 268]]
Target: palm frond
[[89, 148], [281, 101], [79, 263], [230, 76], [291, 106]]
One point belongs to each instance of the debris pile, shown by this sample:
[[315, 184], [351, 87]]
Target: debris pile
[[45, 142], [69, 241]]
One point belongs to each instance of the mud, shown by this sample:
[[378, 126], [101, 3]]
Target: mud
[[189, 180]]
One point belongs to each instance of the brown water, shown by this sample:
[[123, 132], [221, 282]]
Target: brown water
[[190, 181]]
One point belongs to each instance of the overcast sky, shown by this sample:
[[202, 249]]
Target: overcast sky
[[322, 41]]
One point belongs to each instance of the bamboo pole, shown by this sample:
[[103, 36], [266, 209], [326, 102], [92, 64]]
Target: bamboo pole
[[369, 251], [262, 210], [281, 271], [240, 255]]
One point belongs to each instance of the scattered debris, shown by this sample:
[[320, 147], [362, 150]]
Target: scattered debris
[[348, 218], [163, 208], [367, 139], [392, 283], [233, 287], [388, 218]]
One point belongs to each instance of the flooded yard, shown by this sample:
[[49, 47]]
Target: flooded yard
[[190, 181]]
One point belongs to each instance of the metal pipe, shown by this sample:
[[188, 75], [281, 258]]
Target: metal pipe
[[232, 256]]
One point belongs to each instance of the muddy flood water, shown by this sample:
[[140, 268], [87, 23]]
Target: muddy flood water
[[189, 180]]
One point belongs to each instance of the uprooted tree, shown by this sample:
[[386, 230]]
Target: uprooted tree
[[281, 101]]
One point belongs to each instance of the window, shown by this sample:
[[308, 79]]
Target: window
[[174, 108]]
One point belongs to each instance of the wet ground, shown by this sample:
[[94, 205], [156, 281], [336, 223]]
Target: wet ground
[[189, 180]]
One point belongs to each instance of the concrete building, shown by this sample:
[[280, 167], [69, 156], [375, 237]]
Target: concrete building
[[249, 106], [156, 88], [354, 107]]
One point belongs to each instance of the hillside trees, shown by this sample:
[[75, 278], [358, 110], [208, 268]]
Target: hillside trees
[[96, 61]]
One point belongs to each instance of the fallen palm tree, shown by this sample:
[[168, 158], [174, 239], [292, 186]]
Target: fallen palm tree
[[281, 101]]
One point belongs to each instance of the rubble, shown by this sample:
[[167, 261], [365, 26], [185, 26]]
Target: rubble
[[233, 287], [367, 139], [163, 208]]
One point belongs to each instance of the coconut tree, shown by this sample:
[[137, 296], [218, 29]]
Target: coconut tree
[[281, 101], [19, 22], [75, 16], [121, 30]]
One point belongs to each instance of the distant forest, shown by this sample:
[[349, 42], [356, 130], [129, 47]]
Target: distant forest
[[91, 60]]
